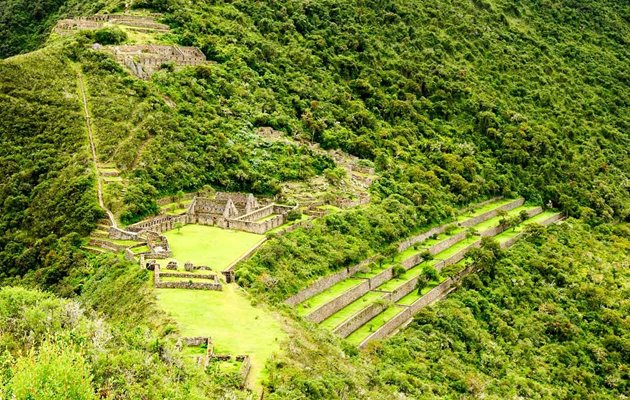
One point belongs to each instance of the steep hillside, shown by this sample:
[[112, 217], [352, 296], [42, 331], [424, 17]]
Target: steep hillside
[[422, 108]]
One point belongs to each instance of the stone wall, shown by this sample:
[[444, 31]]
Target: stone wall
[[331, 307], [421, 237], [498, 229], [245, 256], [212, 277], [115, 233], [129, 256], [158, 284], [327, 281], [440, 290], [381, 277], [256, 227], [438, 229], [246, 366], [416, 259], [196, 341], [457, 257], [359, 319], [389, 327]]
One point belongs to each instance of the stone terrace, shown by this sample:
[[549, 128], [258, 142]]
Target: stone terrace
[[355, 300]]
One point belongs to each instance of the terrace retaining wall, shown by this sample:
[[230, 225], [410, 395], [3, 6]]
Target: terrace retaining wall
[[327, 281], [187, 275], [439, 291], [157, 283], [438, 229], [489, 214], [359, 319], [422, 237], [336, 304], [381, 277]]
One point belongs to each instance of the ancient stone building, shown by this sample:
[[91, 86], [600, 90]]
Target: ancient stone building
[[134, 22], [144, 60], [226, 210]]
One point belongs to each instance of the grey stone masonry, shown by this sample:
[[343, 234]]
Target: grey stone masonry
[[324, 283], [212, 284], [339, 302]]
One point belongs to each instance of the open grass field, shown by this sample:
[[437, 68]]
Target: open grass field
[[209, 245], [228, 317]]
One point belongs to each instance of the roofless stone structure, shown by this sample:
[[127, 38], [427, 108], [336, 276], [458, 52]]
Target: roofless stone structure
[[144, 60]]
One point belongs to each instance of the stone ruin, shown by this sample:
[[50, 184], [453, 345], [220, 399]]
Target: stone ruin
[[202, 281], [134, 22], [226, 210], [204, 361], [146, 59]]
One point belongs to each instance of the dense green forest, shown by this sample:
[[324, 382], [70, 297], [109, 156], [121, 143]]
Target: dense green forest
[[453, 102]]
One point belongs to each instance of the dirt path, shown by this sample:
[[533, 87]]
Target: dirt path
[[88, 124]]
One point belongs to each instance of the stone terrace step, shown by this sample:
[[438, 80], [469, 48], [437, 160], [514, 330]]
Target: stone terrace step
[[481, 211], [449, 284], [94, 250], [336, 303], [397, 288]]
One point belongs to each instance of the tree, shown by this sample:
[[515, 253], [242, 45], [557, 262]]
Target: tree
[[54, 371]]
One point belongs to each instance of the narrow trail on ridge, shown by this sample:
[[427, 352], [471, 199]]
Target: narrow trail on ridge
[[88, 124]]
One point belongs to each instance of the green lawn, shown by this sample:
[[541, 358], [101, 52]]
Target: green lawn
[[413, 295], [366, 330], [327, 295], [510, 233], [352, 308], [484, 209], [209, 245], [140, 249], [229, 318], [494, 221]]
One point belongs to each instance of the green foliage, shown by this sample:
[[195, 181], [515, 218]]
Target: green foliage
[[70, 346], [109, 36], [55, 371], [48, 190], [25, 22], [553, 312]]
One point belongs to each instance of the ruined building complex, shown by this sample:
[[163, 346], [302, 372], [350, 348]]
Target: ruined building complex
[[134, 22], [144, 60], [226, 210]]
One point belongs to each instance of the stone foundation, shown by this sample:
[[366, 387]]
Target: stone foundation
[[158, 284]]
